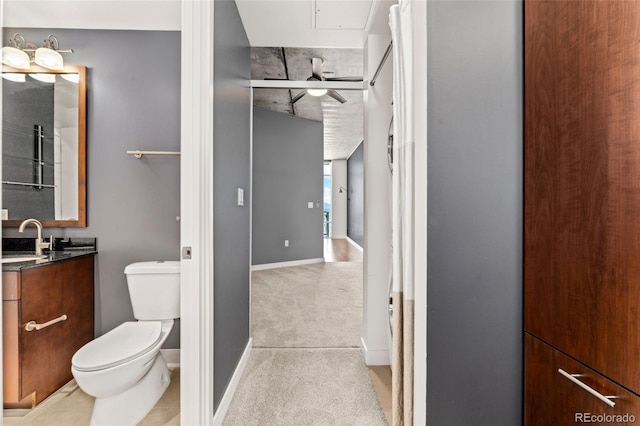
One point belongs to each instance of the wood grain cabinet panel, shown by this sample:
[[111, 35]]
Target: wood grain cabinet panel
[[582, 182], [552, 399], [41, 362]]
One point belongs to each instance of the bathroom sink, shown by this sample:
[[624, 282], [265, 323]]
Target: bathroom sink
[[21, 258]]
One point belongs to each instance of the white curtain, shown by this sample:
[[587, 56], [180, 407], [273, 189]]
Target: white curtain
[[403, 221]]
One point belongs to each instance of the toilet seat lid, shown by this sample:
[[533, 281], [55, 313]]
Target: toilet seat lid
[[127, 341]]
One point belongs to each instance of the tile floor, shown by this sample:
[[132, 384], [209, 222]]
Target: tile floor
[[71, 406]]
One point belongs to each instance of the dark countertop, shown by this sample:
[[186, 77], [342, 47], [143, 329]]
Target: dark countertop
[[65, 248], [53, 256]]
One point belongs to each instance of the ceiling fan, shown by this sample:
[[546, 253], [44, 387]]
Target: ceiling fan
[[317, 75]]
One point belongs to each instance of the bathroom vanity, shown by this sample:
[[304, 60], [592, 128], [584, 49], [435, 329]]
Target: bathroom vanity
[[48, 314]]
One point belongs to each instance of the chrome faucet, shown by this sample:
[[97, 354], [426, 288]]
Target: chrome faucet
[[39, 243]]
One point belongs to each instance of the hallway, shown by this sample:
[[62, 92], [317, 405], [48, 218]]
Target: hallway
[[306, 366], [341, 250]]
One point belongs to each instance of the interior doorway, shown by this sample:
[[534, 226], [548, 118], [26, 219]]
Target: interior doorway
[[326, 211]]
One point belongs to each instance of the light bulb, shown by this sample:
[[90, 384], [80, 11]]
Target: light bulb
[[49, 58], [316, 92], [15, 57]]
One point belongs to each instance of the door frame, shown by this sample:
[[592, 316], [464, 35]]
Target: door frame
[[196, 209], [196, 206], [419, 9]]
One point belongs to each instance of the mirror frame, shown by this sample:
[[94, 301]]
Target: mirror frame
[[81, 222]]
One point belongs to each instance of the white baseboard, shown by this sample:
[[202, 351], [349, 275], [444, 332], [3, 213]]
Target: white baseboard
[[171, 357], [286, 264], [218, 417], [375, 357], [353, 243]]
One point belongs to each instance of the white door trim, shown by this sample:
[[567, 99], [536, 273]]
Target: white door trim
[[196, 207], [420, 213]]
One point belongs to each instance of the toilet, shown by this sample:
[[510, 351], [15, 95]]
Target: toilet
[[124, 369]]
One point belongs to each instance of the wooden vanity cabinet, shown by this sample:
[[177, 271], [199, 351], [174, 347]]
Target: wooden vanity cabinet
[[37, 363], [582, 204]]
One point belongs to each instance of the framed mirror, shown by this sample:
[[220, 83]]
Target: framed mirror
[[44, 169]]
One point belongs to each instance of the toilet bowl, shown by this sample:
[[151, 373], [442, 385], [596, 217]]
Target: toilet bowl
[[124, 368]]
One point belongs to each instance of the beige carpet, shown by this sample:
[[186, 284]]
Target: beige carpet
[[306, 367], [310, 306], [70, 406], [311, 387]]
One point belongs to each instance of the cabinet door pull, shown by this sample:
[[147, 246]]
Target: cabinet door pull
[[601, 397], [32, 325]]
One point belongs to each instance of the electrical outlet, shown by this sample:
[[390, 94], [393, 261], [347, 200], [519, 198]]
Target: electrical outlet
[[286, 243]]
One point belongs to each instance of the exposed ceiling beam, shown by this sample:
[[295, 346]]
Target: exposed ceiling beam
[[287, 84]]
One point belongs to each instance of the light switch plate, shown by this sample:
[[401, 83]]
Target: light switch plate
[[5, 214], [240, 197], [310, 204]]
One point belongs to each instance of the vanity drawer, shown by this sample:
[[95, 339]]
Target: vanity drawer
[[552, 398]]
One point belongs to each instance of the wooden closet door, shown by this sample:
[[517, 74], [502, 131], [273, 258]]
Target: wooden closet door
[[582, 182], [619, 303]]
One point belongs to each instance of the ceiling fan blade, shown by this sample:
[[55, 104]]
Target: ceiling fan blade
[[299, 96], [343, 79], [316, 68], [335, 95]]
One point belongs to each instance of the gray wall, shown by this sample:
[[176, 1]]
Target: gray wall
[[355, 198], [133, 102], [474, 293], [232, 170], [287, 174]]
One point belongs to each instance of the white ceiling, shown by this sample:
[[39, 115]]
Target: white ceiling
[[161, 15], [313, 23], [286, 23], [292, 23]]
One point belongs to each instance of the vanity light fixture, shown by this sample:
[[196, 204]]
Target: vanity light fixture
[[14, 54], [19, 54], [49, 56]]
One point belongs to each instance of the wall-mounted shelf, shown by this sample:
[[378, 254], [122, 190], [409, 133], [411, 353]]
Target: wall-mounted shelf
[[38, 185], [139, 154]]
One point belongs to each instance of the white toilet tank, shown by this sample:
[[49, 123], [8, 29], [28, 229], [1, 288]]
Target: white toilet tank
[[154, 288]]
